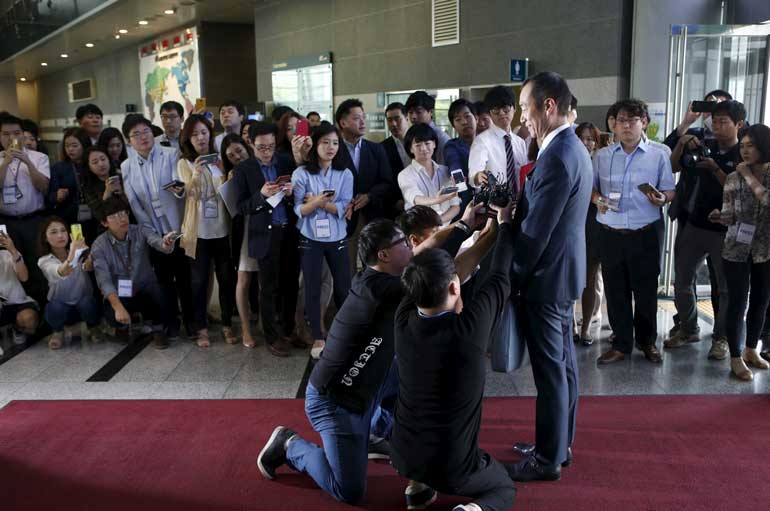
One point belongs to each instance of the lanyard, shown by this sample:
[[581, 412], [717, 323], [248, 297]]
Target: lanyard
[[627, 164], [78, 183], [126, 264]]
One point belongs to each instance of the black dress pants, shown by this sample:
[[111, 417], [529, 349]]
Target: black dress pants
[[279, 282], [173, 273]]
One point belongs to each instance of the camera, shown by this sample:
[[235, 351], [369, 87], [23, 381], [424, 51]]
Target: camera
[[493, 192], [691, 157]]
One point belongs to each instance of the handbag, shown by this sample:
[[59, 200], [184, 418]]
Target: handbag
[[508, 350]]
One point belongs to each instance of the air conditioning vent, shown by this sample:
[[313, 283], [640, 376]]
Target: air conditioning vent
[[446, 22], [81, 90]]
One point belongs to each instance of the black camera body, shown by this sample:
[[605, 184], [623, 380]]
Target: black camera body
[[691, 157], [493, 192]]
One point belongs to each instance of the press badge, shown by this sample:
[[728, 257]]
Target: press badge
[[84, 213], [745, 233], [323, 228], [210, 209], [125, 288], [9, 195], [157, 207]]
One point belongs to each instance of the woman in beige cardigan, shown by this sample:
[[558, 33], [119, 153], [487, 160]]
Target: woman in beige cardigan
[[206, 225]]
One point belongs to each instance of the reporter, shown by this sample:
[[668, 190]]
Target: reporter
[[18, 309], [70, 292], [101, 181], [112, 140], [65, 194]]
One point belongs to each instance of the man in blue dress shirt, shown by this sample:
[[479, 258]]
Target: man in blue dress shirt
[[462, 115]]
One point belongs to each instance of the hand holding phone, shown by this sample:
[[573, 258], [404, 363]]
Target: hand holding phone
[[448, 190], [77, 232], [648, 188], [207, 159], [329, 193], [282, 180], [303, 128], [174, 184]]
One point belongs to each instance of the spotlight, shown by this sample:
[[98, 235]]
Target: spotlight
[[64, 55], [44, 64], [169, 11], [143, 22], [89, 45], [123, 31]]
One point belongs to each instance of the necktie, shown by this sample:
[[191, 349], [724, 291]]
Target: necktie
[[510, 166]]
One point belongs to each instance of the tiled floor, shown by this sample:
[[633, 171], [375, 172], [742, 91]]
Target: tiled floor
[[185, 371]]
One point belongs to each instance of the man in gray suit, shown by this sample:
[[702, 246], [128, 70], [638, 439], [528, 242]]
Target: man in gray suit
[[549, 268]]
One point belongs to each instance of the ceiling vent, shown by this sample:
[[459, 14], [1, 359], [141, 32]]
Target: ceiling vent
[[81, 90], [446, 22]]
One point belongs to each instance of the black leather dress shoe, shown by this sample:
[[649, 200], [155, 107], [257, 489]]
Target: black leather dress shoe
[[652, 354], [531, 469], [526, 449]]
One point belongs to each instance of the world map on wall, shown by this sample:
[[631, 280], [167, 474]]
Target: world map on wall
[[170, 75]]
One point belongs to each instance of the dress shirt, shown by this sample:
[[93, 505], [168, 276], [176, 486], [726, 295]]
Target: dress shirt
[[341, 181], [443, 138], [405, 158], [740, 202], [172, 142], [270, 172], [11, 290], [549, 138], [414, 182], [616, 171], [143, 181], [109, 255], [355, 152], [456, 154], [17, 174], [488, 153], [218, 141], [69, 289]]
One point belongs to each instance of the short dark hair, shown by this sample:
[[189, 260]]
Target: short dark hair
[[573, 103], [345, 107], [427, 276], [227, 141], [732, 109], [185, 144], [396, 105], [419, 99], [760, 135], [80, 135], [375, 236], [481, 108], [114, 205], [262, 128], [718, 93], [132, 121], [458, 105], [632, 106], [313, 165], [418, 218], [107, 135], [548, 84], [612, 111], [233, 103], [11, 119], [88, 109], [31, 126], [279, 112], [173, 105], [313, 113], [419, 132], [499, 96]]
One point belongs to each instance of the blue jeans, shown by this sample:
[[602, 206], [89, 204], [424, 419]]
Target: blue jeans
[[339, 467], [59, 314]]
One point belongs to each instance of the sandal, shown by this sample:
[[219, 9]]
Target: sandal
[[250, 343], [55, 341], [203, 340], [229, 335]]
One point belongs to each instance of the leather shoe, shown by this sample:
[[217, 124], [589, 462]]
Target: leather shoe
[[652, 354], [527, 449], [531, 469], [297, 342], [278, 348], [610, 356]]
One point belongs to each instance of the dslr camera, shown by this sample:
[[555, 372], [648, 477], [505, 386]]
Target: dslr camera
[[691, 157], [493, 192]]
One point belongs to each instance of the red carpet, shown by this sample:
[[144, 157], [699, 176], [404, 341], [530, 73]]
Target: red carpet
[[632, 453]]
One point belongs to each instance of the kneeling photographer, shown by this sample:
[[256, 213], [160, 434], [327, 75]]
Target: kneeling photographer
[[705, 165]]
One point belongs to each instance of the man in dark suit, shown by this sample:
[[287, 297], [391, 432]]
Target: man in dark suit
[[398, 158], [273, 236], [372, 188], [549, 270]]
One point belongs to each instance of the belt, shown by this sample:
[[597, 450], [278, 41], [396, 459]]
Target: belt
[[628, 231], [22, 217]]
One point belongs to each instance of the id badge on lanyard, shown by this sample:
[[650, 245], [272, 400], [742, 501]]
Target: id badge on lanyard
[[12, 194], [210, 208], [323, 228], [125, 288]]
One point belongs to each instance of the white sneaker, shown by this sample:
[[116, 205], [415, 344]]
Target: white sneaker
[[19, 337]]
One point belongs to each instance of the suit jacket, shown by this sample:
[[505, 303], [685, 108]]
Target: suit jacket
[[374, 177], [253, 207], [549, 262]]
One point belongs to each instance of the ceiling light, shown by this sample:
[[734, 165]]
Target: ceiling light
[[143, 22], [64, 55], [123, 31], [117, 36], [169, 11], [23, 79], [44, 64], [89, 45]]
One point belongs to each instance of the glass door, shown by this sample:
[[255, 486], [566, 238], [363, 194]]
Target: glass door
[[704, 58]]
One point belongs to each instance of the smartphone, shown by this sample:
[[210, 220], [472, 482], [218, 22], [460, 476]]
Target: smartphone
[[303, 127], [448, 189], [648, 188], [283, 180], [176, 236], [175, 182], [113, 179], [209, 159], [16, 144], [704, 106], [458, 176], [200, 104], [329, 192], [77, 232]]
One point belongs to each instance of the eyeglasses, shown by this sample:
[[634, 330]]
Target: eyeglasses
[[626, 121], [140, 134], [399, 241], [118, 216], [502, 110], [262, 148]]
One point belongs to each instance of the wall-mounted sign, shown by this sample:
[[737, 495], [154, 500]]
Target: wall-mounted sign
[[305, 84], [519, 70]]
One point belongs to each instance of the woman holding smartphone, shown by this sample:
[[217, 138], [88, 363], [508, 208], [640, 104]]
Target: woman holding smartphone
[[322, 191], [206, 225], [65, 190], [100, 182], [424, 182], [746, 250]]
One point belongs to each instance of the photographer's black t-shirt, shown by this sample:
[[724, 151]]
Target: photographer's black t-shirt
[[707, 188]]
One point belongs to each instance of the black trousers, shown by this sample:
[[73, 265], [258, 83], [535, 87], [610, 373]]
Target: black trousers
[[489, 486], [313, 253], [279, 282], [25, 233], [148, 301], [548, 332], [630, 268], [740, 278], [208, 252], [173, 273]]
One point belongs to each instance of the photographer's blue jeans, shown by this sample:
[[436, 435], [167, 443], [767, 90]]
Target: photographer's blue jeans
[[58, 314], [339, 467]]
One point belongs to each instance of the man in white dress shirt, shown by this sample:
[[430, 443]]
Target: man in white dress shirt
[[171, 115], [498, 150], [231, 115]]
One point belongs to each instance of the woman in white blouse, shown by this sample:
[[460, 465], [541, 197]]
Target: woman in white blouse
[[424, 182]]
